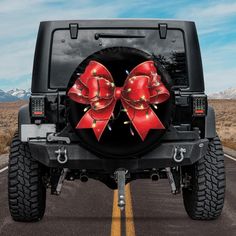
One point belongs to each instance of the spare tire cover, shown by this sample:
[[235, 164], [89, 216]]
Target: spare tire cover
[[119, 140]]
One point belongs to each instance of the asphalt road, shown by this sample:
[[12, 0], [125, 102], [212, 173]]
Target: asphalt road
[[90, 209]]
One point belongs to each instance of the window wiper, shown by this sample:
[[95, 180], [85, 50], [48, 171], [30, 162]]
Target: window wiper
[[104, 35]]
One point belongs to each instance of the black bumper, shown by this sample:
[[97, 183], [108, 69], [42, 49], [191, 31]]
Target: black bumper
[[79, 158]]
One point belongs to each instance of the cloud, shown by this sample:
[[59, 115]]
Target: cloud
[[211, 16], [19, 23], [19, 30], [18, 59], [219, 56], [219, 67], [215, 22], [219, 80], [7, 6], [213, 11]]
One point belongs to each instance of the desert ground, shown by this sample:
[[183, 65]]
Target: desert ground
[[8, 123], [225, 121], [225, 118]]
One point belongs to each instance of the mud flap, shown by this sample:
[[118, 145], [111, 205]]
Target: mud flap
[[210, 123]]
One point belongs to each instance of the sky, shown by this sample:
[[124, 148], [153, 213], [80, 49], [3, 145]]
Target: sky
[[215, 21]]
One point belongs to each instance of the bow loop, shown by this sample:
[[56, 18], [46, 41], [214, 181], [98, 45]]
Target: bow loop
[[79, 92], [95, 69], [136, 91], [146, 68], [159, 94]]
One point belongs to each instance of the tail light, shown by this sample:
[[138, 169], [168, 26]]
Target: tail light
[[37, 106], [199, 105]]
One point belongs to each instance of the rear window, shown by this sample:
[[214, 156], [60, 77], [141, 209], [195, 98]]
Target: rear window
[[68, 53]]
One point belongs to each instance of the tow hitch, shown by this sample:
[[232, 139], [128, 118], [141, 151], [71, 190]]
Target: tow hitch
[[171, 180], [61, 180], [120, 177]]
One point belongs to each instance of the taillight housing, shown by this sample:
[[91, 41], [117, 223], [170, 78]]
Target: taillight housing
[[199, 104], [37, 106]]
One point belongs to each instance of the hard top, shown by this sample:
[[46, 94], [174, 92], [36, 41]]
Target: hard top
[[41, 70]]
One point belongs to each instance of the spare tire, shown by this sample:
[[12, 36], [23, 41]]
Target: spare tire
[[120, 140]]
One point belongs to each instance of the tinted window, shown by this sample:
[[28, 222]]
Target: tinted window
[[68, 53]]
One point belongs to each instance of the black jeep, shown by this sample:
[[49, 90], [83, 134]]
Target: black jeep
[[117, 100]]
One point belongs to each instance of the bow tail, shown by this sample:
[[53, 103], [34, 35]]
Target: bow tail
[[96, 120], [143, 120]]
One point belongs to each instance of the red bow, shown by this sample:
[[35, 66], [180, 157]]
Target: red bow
[[142, 87]]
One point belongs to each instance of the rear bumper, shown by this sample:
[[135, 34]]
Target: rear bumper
[[80, 158]]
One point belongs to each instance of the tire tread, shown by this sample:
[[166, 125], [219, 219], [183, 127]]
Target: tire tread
[[26, 192], [205, 201]]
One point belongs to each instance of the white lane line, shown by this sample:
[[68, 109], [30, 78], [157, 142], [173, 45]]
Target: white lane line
[[230, 157], [3, 169]]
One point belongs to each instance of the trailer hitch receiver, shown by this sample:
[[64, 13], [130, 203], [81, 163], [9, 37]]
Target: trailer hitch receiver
[[120, 176]]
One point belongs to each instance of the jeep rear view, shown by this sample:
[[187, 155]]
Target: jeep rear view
[[116, 101]]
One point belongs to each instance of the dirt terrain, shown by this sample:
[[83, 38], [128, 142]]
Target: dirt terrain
[[226, 121], [8, 123], [225, 116]]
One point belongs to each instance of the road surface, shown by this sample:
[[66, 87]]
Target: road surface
[[90, 209]]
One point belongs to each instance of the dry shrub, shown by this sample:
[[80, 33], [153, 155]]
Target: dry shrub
[[5, 140], [8, 123], [229, 144], [225, 121]]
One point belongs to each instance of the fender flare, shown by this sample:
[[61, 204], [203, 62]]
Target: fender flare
[[23, 117], [210, 123]]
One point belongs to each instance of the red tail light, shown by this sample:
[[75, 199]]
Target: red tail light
[[37, 106], [199, 105]]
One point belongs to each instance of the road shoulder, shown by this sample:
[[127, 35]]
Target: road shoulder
[[230, 151], [3, 160]]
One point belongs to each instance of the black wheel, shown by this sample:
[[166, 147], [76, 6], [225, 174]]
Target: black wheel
[[204, 198], [26, 192]]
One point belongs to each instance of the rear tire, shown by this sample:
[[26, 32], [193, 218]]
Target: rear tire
[[26, 192], [204, 198]]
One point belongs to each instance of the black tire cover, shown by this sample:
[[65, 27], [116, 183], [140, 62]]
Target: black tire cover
[[119, 142]]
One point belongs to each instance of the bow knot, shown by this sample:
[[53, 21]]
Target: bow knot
[[117, 93], [142, 87]]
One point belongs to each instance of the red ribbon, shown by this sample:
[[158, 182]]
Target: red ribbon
[[142, 87]]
